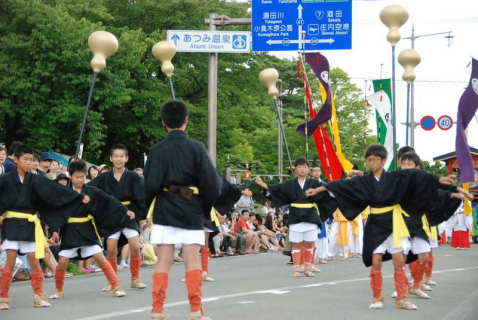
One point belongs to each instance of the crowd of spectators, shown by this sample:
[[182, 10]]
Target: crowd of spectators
[[248, 229]]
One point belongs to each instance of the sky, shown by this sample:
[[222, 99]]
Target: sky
[[442, 75]]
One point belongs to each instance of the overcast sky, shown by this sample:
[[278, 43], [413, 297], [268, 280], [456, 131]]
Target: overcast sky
[[441, 76]]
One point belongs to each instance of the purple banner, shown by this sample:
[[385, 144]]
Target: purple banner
[[466, 110], [320, 66]]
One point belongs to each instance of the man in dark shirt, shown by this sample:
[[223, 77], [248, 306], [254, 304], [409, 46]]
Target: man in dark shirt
[[179, 179], [9, 164]]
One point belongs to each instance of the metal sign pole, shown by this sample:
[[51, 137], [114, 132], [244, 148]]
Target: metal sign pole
[[212, 97]]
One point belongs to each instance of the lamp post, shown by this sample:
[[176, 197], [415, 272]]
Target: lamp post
[[394, 16], [410, 123], [268, 78], [103, 44], [165, 51], [409, 59]]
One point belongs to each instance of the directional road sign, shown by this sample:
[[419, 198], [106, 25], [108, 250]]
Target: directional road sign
[[211, 41], [309, 25]]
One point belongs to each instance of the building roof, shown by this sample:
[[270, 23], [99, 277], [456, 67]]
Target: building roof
[[451, 155]]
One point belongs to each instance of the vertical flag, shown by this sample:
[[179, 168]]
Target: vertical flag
[[331, 165], [466, 110], [382, 101], [334, 128], [320, 66]]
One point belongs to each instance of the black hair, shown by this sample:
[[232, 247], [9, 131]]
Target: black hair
[[244, 211], [301, 162], [36, 157], [62, 176], [89, 171], [404, 150], [77, 166], [376, 150], [118, 146], [412, 156], [174, 114], [13, 146], [73, 158], [22, 149]]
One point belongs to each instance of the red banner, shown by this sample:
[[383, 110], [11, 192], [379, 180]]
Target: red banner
[[325, 150]]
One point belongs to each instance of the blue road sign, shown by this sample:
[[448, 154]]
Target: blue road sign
[[309, 25], [427, 123]]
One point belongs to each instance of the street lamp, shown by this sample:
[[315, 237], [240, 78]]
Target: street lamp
[[410, 123], [165, 51], [409, 59], [103, 44], [394, 16], [269, 78]]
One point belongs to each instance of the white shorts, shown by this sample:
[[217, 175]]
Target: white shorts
[[387, 246], [303, 231], [418, 245], [128, 233], [434, 244], [171, 235], [208, 230], [22, 247], [85, 252]]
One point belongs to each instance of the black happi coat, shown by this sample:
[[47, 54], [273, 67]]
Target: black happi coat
[[291, 192], [129, 188], [230, 194], [109, 214], [180, 161], [441, 209], [414, 190], [36, 194]]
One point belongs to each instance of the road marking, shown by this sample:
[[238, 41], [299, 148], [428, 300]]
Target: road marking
[[111, 315], [274, 291]]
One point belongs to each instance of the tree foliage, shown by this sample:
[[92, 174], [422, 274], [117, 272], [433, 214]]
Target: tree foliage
[[45, 76]]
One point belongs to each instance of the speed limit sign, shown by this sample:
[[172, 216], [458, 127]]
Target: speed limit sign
[[445, 122]]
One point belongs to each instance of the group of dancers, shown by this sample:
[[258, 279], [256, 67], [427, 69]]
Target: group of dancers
[[181, 198], [401, 210]]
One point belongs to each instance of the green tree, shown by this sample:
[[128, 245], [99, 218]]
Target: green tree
[[45, 76]]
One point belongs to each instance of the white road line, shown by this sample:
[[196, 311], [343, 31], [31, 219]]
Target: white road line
[[275, 291]]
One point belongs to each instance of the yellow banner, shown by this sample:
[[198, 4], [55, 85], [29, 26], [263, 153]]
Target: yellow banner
[[334, 127], [466, 203]]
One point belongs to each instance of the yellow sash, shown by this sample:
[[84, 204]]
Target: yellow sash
[[306, 206], [149, 216], [400, 229], [365, 214], [126, 203], [343, 231], [40, 239], [214, 217], [85, 219], [431, 232]]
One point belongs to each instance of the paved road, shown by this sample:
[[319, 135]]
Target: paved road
[[261, 287]]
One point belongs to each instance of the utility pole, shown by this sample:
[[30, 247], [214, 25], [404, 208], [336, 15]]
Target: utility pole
[[213, 21], [410, 123]]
